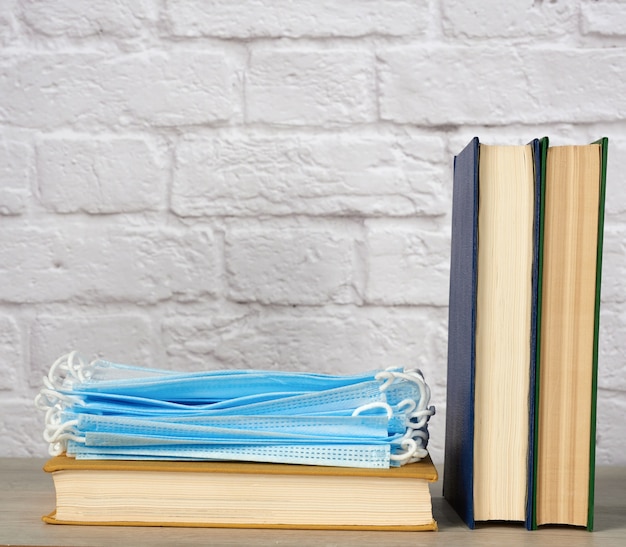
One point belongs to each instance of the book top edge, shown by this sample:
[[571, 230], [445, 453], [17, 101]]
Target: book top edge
[[423, 469]]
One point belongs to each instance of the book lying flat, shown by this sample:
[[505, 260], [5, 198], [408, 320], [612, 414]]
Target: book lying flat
[[241, 495]]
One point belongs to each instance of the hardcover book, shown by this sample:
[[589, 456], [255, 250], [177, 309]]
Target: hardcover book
[[525, 276], [241, 495], [458, 474], [492, 332], [573, 228]]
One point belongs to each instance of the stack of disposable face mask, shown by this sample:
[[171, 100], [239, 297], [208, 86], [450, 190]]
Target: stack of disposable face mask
[[103, 410]]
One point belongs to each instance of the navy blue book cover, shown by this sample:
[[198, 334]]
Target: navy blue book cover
[[458, 478], [458, 483], [539, 150]]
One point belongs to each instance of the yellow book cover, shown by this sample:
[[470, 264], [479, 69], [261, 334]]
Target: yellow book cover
[[241, 495]]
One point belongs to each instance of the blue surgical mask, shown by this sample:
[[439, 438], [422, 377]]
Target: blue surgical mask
[[121, 430], [366, 456], [107, 410], [189, 388]]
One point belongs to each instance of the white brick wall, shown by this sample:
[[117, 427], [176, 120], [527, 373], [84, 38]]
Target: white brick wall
[[267, 184], [100, 175], [302, 19]]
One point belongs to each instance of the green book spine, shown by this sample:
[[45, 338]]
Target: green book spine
[[604, 144]]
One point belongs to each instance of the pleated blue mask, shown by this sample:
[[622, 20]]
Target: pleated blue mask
[[72, 374], [103, 409], [366, 456], [381, 456], [96, 430]]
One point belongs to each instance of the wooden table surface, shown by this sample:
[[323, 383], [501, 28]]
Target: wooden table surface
[[27, 493]]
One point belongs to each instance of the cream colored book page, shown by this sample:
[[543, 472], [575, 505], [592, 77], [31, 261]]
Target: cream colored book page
[[503, 322], [162, 497], [567, 333]]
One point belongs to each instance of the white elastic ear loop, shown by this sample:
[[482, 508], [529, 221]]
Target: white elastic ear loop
[[377, 404], [421, 437], [413, 376], [53, 416], [58, 447], [49, 398], [57, 436], [416, 429], [410, 447], [45, 399], [413, 451], [416, 436], [70, 366], [423, 415], [386, 377], [55, 432], [421, 409]]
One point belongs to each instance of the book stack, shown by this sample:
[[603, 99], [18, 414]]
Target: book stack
[[527, 230]]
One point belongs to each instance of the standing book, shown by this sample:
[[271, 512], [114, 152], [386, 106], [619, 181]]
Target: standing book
[[573, 227], [241, 495], [492, 332]]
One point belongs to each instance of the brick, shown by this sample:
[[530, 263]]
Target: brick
[[16, 160], [105, 264], [612, 352], [193, 342], [420, 85], [616, 166], [11, 353], [8, 25], [407, 265], [610, 440], [329, 340], [494, 19], [614, 263], [80, 18], [500, 85], [87, 89], [313, 175], [319, 87], [111, 175], [314, 18], [290, 266], [21, 428], [121, 338], [603, 18]]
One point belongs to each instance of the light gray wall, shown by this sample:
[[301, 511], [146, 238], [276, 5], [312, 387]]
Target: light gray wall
[[195, 184]]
